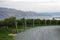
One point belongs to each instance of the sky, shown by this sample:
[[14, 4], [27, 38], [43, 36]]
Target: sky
[[32, 5]]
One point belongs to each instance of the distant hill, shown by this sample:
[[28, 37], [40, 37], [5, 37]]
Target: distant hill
[[7, 12]]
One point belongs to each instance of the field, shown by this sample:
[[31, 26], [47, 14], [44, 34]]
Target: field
[[4, 33]]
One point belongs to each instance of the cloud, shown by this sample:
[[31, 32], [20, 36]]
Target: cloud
[[32, 5], [31, 0]]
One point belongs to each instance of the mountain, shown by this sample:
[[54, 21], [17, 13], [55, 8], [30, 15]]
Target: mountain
[[8, 12]]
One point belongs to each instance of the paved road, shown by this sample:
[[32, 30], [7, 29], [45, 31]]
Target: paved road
[[40, 33]]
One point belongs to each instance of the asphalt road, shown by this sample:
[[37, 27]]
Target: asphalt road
[[40, 33]]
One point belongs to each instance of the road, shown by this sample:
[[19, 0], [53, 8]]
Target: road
[[40, 33]]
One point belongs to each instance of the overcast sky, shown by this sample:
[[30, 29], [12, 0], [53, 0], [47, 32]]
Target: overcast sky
[[32, 5]]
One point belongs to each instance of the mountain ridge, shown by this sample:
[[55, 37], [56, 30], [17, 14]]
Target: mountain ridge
[[7, 12]]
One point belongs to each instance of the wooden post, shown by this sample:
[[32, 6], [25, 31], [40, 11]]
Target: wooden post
[[33, 22], [24, 23], [16, 25], [50, 22], [45, 22]]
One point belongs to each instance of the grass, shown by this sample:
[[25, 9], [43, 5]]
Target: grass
[[4, 33]]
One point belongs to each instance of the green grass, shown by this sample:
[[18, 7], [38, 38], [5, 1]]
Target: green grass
[[4, 33]]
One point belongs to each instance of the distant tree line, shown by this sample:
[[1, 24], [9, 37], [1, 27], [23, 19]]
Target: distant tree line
[[7, 22], [37, 22], [10, 22]]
